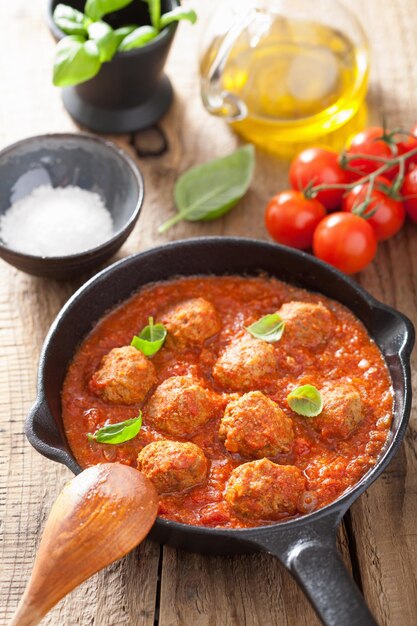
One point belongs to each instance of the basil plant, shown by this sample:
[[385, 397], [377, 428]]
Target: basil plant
[[91, 41]]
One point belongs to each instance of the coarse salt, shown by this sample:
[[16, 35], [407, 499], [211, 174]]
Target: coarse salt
[[56, 222]]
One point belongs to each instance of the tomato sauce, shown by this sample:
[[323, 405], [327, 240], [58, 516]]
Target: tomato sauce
[[330, 466]]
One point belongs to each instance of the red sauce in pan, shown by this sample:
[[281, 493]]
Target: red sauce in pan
[[330, 466]]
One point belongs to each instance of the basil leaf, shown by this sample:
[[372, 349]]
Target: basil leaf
[[76, 61], [208, 191], [96, 9], [124, 31], [177, 14], [306, 401], [106, 40], [151, 338], [269, 328], [155, 12], [69, 20], [138, 38], [118, 433]]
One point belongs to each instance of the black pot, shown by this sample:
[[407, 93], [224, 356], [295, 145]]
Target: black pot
[[130, 92], [306, 546]]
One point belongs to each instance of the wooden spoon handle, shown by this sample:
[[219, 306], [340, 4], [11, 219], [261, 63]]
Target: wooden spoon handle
[[26, 614], [100, 516]]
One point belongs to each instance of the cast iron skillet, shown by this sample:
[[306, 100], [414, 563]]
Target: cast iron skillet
[[306, 546]]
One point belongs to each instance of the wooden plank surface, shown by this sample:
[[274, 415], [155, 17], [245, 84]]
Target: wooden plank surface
[[240, 591]]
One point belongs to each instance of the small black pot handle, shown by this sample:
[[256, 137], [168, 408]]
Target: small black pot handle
[[42, 432], [311, 555]]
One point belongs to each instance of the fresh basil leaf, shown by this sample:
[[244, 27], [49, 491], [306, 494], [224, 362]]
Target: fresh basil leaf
[[268, 328], [138, 38], [151, 338], [176, 15], [69, 20], [76, 61], [96, 9], [124, 31], [306, 401], [118, 433], [155, 12], [106, 40], [208, 191]]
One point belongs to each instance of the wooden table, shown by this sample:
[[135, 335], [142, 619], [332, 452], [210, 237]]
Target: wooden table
[[157, 585]]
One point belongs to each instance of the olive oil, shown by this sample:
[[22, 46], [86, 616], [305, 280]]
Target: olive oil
[[296, 81]]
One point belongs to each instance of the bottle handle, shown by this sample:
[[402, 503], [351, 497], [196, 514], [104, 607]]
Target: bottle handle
[[217, 100]]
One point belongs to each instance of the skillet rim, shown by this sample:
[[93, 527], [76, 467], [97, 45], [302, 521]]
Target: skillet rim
[[345, 500]]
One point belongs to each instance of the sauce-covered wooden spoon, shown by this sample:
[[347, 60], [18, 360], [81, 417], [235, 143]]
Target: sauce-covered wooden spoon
[[100, 516]]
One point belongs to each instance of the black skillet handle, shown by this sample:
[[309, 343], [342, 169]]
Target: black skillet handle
[[311, 555], [320, 570]]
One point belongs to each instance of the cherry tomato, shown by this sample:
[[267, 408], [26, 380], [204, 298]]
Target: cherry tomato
[[346, 241], [319, 167], [388, 215], [409, 193], [291, 218], [409, 143], [369, 142]]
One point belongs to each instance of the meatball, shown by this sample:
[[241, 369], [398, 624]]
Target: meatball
[[246, 364], [190, 323], [179, 406], [125, 376], [256, 427], [307, 325], [342, 411], [264, 490], [172, 465]]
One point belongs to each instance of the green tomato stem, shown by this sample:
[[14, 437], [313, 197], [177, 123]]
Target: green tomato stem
[[370, 178]]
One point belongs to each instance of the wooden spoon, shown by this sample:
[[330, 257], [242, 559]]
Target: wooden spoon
[[100, 516]]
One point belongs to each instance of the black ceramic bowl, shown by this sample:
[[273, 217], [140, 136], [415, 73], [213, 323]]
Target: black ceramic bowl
[[306, 546], [69, 159]]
